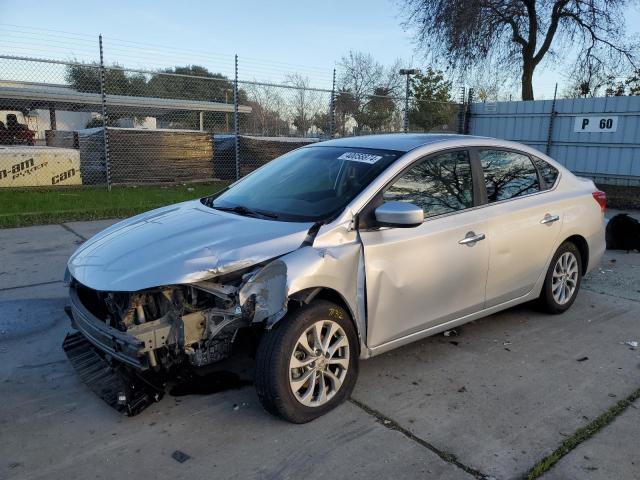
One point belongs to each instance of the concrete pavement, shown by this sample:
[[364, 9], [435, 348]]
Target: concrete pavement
[[613, 453], [492, 401]]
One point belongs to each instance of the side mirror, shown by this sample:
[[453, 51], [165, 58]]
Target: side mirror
[[399, 214]]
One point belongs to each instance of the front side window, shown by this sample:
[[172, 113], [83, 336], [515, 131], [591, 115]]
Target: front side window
[[508, 174], [306, 185], [439, 185], [548, 172]]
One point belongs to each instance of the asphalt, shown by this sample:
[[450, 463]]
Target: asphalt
[[491, 401]]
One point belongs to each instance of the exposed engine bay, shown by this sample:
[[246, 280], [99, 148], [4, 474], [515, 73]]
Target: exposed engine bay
[[174, 323], [143, 338]]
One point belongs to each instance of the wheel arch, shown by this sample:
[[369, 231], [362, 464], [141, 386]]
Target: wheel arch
[[308, 295], [583, 247]]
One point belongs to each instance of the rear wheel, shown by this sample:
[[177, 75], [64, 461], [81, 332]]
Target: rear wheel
[[307, 364], [563, 279]]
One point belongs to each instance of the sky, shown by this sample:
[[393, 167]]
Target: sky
[[270, 38]]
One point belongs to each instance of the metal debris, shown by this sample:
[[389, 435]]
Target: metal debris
[[179, 456]]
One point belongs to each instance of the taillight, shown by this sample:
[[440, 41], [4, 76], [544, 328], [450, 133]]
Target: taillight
[[600, 197]]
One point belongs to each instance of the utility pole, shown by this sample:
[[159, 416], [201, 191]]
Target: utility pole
[[407, 72]]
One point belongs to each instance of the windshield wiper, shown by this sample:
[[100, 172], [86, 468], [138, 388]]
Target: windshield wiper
[[242, 210]]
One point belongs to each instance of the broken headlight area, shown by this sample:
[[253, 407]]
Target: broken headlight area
[[148, 338], [196, 323]]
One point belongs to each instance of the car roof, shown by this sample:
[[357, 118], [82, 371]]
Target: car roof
[[402, 142]]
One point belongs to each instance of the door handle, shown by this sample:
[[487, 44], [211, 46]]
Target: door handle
[[471, 238], [549, 219]]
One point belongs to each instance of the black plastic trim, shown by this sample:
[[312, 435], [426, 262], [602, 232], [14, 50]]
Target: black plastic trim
[[119, 345]]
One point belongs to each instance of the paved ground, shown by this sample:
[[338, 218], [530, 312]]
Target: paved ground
[[492, 401]]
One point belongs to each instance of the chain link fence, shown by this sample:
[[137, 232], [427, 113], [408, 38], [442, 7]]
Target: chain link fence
[[73, 123]]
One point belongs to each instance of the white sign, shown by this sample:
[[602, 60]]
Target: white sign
[[491, 107], [593, 124], [359, 157]]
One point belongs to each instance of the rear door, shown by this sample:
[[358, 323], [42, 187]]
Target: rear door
[[420, 277], [524, 223]]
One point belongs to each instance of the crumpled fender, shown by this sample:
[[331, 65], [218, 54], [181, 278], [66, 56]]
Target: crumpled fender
[[339, 268], [269, 288]]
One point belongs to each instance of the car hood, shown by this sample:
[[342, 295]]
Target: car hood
[[182, 243]]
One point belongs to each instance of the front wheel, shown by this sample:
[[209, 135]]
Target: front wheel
[[563, 278], [307, 364]]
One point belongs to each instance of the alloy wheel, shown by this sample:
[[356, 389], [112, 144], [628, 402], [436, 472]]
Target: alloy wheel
[[319, 363], [565, 278]]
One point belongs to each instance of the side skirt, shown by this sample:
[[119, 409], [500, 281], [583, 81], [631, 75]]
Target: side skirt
[[399, 342]]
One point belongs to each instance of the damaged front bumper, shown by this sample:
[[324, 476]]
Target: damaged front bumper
[[119, 345], [123, 388], [134, 343], [113, 364]]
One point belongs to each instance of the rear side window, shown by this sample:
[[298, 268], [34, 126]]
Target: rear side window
[[548, 172], [508, 174], [439, 185]]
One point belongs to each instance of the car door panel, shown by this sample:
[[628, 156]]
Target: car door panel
[[420, 277], [524, 223], [521, 245]]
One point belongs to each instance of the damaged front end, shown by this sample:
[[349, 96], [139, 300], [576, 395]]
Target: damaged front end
[[130, 344]]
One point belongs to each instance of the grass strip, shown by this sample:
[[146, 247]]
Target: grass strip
[[581, 435], [41, 206]]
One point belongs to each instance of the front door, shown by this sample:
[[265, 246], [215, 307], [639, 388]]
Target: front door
[[420, 277]]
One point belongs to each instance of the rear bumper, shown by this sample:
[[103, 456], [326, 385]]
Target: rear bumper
[[597, 246], [119, 345]]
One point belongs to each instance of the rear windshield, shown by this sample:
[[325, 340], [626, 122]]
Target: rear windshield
[[309, 184]]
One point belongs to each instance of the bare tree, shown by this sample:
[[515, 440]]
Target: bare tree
[[267, 109], [522, 33], [304, 102], [369, 87]]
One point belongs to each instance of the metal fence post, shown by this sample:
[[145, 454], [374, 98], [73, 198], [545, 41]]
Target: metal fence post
[[467, 116], [332, 107], [552, 116], [406, 107], [236, 122], [461, 110], [105, 118]]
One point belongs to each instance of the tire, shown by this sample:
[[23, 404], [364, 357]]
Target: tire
[[281, 347], [555, 303]]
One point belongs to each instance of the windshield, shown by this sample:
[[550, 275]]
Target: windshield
[[308, 184]]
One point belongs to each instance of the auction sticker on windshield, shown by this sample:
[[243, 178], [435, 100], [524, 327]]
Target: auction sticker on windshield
[[360, 157]]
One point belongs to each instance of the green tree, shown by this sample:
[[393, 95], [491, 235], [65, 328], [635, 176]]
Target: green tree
[[194, 82], [345, 106], [431, 104], [361, 75], [117, 81], [191, 82], [378, 111], [322, 122], [633, 83]]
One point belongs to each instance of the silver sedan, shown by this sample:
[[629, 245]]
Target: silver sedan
[[330, 254]]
